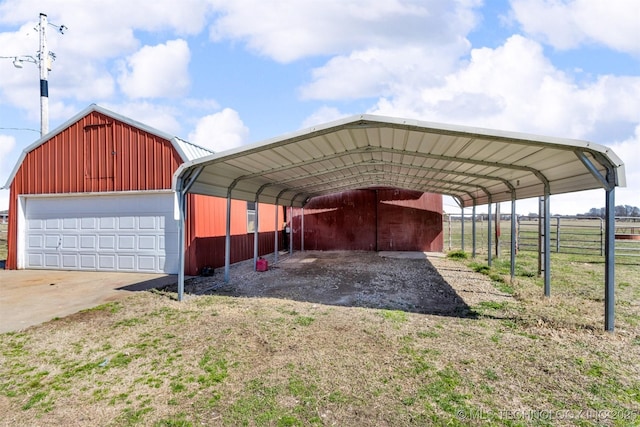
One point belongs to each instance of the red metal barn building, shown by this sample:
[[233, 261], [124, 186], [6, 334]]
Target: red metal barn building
[[376, 219], [95, 194]]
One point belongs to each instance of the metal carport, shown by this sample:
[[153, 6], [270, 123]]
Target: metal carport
[[475, 166]]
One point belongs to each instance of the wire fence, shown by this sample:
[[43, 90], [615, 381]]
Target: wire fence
[[572, 235]]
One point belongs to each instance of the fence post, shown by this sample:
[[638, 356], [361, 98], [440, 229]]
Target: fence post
[[558, 235], [601, 237]]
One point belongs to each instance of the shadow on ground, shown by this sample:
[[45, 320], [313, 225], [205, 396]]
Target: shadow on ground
[[341, 278]]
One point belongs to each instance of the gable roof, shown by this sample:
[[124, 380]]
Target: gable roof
[[474, 165], [186, 150]]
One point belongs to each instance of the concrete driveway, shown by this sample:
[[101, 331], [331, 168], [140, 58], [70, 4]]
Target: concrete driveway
[[31, 297]]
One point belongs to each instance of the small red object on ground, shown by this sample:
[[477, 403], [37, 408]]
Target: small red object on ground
[[262, 264]]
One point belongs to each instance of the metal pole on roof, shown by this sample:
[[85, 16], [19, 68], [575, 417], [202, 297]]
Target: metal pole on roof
[[609, 254], [227, 240]]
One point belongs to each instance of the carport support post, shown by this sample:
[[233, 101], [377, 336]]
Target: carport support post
[[275, 240], [182, 199], [545, 241], [609, 264], [291, 228], [227, 240], [255, 236], [513, 237], [489, 239], [462, 227], [473, 230], [302, 231]]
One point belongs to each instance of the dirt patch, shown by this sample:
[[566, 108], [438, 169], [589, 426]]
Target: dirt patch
[[408, 281]]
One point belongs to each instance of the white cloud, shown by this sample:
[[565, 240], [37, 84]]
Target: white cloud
[[378, 72], [220, 131], [515, 87], [567, 24], [160, 71], [291, 29]]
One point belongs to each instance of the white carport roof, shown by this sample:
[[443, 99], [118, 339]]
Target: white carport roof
[[475, 166]]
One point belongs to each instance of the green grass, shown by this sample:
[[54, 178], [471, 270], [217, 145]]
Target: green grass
[[267, 362]]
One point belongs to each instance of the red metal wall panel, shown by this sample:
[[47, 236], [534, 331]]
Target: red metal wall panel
[[205, 233], [372, 219], [409, 221], [338, 221]]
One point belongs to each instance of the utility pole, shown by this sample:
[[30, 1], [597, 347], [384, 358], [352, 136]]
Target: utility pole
[[44, 62]]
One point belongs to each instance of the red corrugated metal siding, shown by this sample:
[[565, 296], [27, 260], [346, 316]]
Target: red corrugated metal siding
[[97, 153], [409, 221], [205, 234], [344, 221], [382, 219]]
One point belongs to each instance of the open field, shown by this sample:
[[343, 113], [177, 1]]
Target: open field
[[224, 360]]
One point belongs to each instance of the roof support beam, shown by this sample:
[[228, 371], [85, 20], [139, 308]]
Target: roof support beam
[[591, 168]]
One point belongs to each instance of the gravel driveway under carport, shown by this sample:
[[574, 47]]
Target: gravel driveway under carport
[[31, 297], [427, 283]]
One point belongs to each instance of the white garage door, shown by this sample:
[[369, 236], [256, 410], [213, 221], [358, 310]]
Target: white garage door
[[134, 233]]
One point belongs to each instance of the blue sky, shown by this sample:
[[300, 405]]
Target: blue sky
[[223, 73]]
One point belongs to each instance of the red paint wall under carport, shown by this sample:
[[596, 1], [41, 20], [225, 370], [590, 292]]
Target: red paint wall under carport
[[372, 219]]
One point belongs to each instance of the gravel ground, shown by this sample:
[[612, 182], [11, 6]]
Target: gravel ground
[[409, 281]]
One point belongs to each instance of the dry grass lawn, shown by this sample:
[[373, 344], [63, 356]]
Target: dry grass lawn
[[229, 361]]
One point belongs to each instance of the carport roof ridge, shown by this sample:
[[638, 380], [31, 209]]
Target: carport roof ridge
[[187, 151], [474, 165]]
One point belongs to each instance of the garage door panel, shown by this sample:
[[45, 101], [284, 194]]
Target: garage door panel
[[70, 261], [110, 233], [107, 242], [126, 243], [52, 241], [52, 260], [127, 223], [88, 262], [70, 223], [88, 242], [36, 260], [126, 262], [147, 263], [70, 242], [148, 223], [88, 223], [107, 223], [147, 243], [52, 224], [35, 224], [35, 242], [107, 262]]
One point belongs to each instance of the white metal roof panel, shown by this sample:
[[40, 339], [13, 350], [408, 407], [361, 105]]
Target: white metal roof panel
[[472, 164]]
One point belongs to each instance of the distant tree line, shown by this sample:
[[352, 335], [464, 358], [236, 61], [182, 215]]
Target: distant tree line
[[621, 210]]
